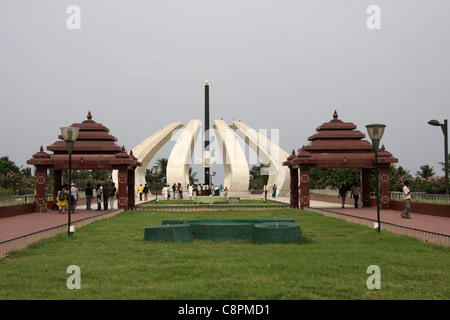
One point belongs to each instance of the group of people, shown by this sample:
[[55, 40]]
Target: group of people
[[210, 190], [355, 191], [176, 191], [103, 194], [274, 191]]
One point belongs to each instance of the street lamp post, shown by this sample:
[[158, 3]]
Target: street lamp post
[[444, 128], [376, 133], [70, 135], [155, 169], [211, 175]]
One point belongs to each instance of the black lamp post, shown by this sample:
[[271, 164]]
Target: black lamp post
[[70, 135], [207, 156], [444, 128], [376, 133], [210, 175], [155, 169]]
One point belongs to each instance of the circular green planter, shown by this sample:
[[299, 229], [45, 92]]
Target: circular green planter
[[276, 219], [277, 232], [169, 232], [169, 222], [223, 230]]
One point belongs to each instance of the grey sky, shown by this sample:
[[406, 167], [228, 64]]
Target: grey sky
[[139, 65]]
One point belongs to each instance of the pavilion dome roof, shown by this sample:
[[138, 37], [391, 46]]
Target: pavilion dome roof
[[95, 148], [338, 144]]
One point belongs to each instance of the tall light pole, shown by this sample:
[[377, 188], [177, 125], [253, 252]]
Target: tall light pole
[[70, 135], [444, 127], [207, 156], [155, 169], [376, 133]]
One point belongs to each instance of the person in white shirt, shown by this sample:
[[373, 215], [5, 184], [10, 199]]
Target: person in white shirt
[[190, 190], [407, 199], [74, 194]]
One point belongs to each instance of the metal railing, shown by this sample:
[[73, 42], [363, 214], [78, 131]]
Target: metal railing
[[423, 235], [422, 197], [396, 195], [20, 199]]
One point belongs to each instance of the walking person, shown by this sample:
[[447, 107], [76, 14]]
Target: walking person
[[407, 200], [140, 191], [179, 191], [62, 199], [164, 192], [112, 195], [168, 191], [99, 192], [342, 193], [274, 191], [106, 192], [145, 192], [355, 192], [74, 195], [190, 190], [89, 193]]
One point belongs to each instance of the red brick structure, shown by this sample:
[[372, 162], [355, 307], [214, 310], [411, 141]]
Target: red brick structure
[[338, 144], [95, 149]]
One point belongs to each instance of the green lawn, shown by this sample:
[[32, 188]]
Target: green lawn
[[330, 263]]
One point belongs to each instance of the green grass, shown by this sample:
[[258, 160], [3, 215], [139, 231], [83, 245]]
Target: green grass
[[329, 263]]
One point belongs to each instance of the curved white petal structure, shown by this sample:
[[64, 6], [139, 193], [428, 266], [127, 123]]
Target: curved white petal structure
[[146, 150], [235, 164], [270, 154], [181, 156]]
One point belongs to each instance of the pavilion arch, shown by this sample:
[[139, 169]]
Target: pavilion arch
[[95, 149], [338, 145]]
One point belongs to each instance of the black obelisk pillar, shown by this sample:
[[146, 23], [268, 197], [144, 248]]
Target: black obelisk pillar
[[206, 153]]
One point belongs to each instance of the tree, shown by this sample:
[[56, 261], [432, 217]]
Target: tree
[[443, 164], [7, 166], [425, 172], [257, 180], [192, 178], [162, 163], [323, 178]]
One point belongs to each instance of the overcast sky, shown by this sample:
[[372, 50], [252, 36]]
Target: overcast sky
[[139, 65]]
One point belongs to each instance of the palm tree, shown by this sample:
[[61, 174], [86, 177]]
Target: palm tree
[[257, 180], [162, 163], [443, 164], [425, 172], [192, 178]]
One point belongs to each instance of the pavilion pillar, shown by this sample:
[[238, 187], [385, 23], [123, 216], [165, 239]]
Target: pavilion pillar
[[57, 183], [122, 201], [304, 186], [294, 187], [131, 197], [41, 194], [365, 187], [384, 186]]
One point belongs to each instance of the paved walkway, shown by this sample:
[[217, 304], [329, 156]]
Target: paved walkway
[[21, 225], [423, 222]]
